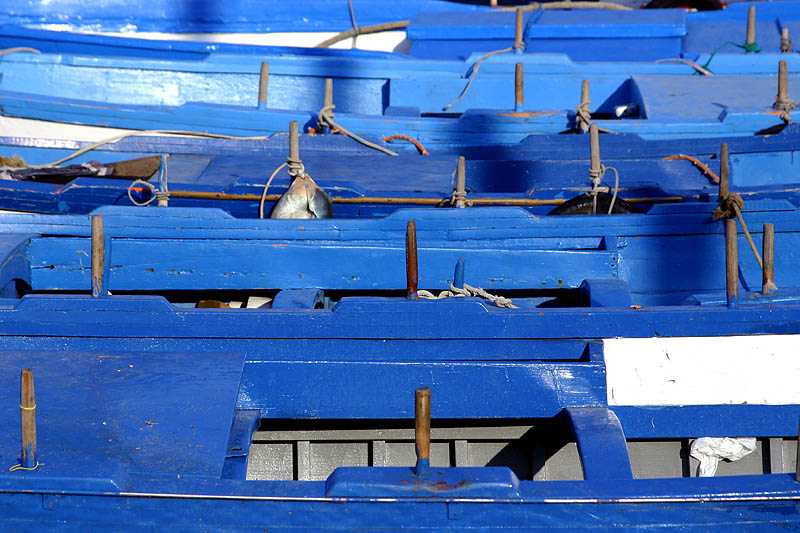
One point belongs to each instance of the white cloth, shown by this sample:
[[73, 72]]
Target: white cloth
[[709, 450]]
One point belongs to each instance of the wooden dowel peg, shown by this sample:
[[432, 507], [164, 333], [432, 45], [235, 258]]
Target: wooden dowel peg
[[294, 141], [594, 148], [422, 428], [98, 257], [731, 264], [327, 100], [328, 95], [786, 41], [263, 85], [723, 170], [751, 25], [519, 87], [519, 26], [585, 92], [27, 409], [458, 275], [461, 182], [783, 85], [583, 114], [768, 259], [412, 274]]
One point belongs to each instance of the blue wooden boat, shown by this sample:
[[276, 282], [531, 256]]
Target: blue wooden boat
[[704, 107], [207, 16], [180, 249], [361, 85], [457, 33], [539, 174], [306, 408], [611, 35]]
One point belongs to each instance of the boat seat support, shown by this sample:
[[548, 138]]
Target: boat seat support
[[601, 443]]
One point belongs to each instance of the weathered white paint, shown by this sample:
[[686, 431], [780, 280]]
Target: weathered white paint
[[380, 42], [41, 129], [756, 369]]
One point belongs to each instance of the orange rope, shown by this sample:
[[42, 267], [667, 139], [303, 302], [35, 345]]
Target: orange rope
[[699, 164], [413, 141]]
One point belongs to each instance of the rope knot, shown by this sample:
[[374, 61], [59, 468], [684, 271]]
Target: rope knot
[[728, 206], [324, 118], [296, 167], [583, 116], [751, 48], [784, 105], [596, 176], [786, 45], [458, 196]]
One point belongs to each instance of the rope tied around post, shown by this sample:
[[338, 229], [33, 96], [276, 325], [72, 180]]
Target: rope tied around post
[[583, 116], [596, 176], [325, 119], [469, 291], [783, 103], [519, 46], [459, 198], [749, 48], [730, 206], [159, 194]]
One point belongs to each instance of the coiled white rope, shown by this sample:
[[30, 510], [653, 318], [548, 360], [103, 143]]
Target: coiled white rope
[[467, 291]]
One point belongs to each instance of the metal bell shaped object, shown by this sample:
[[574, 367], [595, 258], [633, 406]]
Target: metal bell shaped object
[[303, 199]]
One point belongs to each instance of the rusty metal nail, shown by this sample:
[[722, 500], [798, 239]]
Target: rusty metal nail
[[412, 274], [519, 86]]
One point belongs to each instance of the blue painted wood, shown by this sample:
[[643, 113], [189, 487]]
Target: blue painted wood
[[15, 265], [583, 35], [206, 16], [665, 114], [691, 421], [138, 411], [245, 423], [394, 482], [601, 443], [362, 86], [366, 318], [299, 299], [605, 293], [600, 35], [192, 250], [372, 389]]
